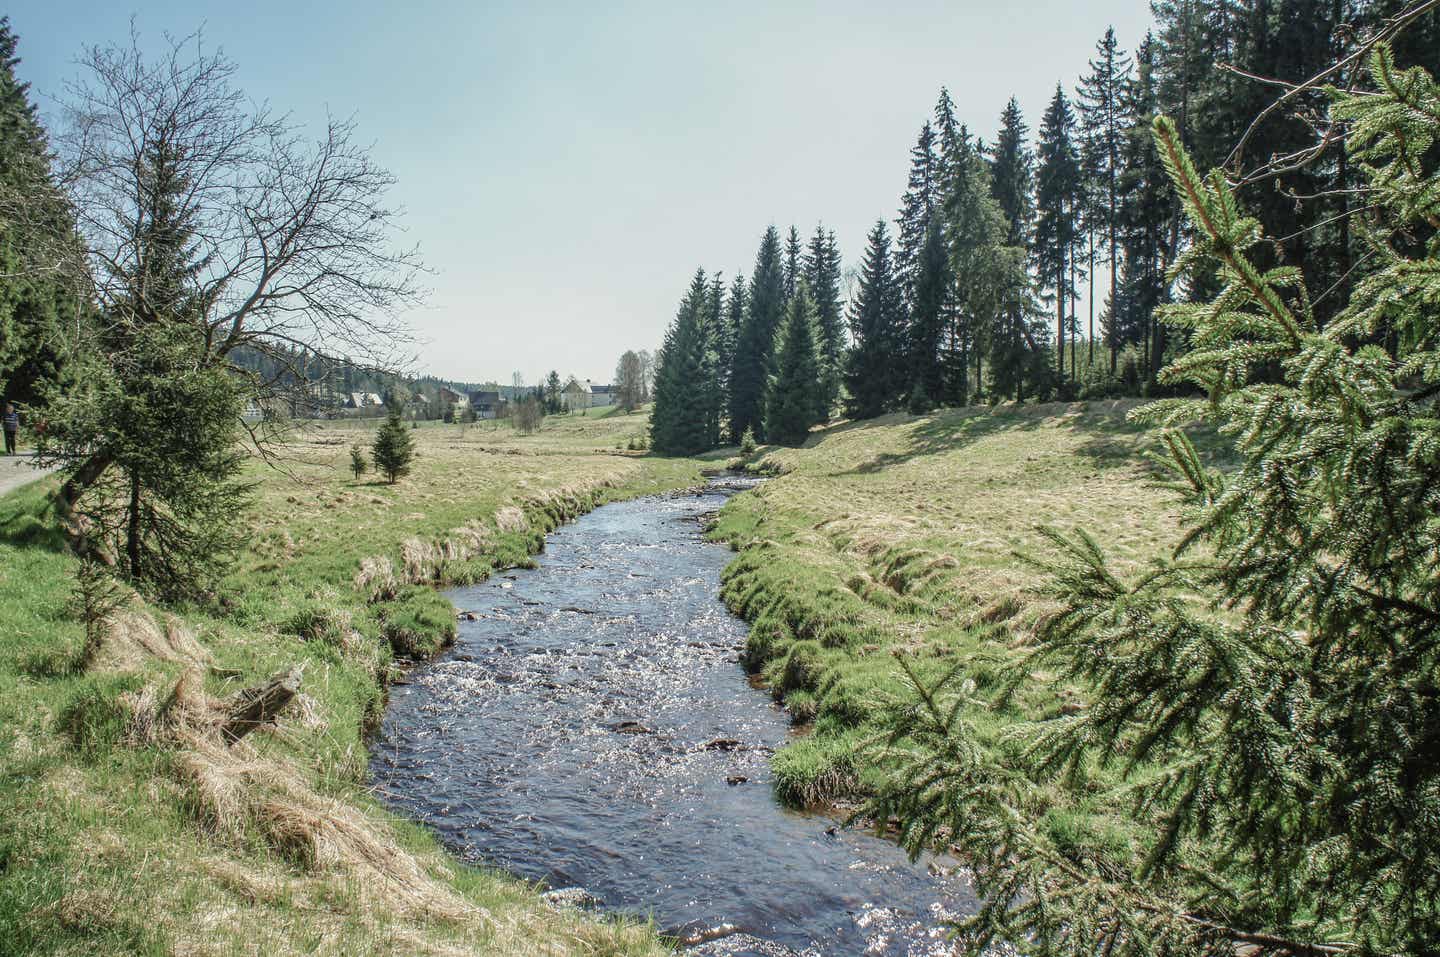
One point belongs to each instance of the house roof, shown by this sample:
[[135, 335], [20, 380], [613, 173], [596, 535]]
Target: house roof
[[484, 398], [602, 389]]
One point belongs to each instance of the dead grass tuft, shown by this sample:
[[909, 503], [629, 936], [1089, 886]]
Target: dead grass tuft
[[511, 519], [129, 639], [376, 579]]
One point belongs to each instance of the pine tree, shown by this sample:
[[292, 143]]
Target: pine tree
[[756, 338], [793, 404], [358, 463], [393, 449], [1103, 121], [822, 273], [1057, 198], [875, 374]]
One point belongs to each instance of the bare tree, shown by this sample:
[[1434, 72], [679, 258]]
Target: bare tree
[[528, 414], [283, 241], [647, 375], [629, 381]]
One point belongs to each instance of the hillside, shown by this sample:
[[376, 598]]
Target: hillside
[[906, 535]]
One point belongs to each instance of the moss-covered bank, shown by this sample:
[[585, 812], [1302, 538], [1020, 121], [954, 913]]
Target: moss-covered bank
[[900, 535]]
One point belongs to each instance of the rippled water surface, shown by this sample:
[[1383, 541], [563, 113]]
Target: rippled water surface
[[592, 727]]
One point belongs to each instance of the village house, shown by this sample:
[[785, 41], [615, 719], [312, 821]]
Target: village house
[[576, 396], [449, 397], [364, 401], [602, 395], [486, 405]]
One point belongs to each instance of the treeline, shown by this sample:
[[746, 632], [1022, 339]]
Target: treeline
[[1020, 269], [763, 357]]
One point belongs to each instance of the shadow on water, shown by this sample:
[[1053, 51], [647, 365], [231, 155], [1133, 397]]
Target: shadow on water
[[593, 728]]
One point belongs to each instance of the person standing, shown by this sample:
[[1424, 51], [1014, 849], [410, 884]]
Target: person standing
[[11, 422]]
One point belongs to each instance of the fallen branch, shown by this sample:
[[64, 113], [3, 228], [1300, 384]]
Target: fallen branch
[[251, 708]]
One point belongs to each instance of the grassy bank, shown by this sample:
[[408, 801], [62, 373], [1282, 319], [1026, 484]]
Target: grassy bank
[[899, 535], [127, 826]]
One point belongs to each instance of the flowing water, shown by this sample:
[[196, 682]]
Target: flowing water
[[592, 728]]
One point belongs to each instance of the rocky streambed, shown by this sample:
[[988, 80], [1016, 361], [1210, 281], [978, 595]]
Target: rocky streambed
[[593, 728]]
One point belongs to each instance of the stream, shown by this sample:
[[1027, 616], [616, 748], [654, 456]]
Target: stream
[[592, 728]]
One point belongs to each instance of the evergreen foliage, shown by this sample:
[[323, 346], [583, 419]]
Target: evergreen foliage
[[1269, 694], [875, 376], [794, 258], [36, 230], [358, 463], [1102, 119], [394, 448], [756, 337], [822, 275], [1057, 200], [686, 414], [793, 401]]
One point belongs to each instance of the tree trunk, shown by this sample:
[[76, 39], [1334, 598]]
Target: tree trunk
[[255, 707], [132, 527], [1090, 345]]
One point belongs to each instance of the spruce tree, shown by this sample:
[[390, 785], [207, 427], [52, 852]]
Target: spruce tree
[[684, 417], [756, 337], [794, 262], [734, 318], [36, 231], [1057, 198], [793, 403], [875, 375], [917, 208], [1267, 694], [929, 315], [985, 274], [1145, 215], [711, 384], [1015, 347], [1103, 121], [822, 273], [394, 448]]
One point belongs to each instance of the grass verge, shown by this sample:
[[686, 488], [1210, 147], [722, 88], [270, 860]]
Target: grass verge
[[128, 826], [900, 535]]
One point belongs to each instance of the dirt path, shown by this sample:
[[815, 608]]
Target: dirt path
[[18, 470]]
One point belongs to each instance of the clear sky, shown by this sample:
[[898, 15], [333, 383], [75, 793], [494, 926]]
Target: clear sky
[[566, 166]]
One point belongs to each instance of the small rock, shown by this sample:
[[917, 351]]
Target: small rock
[[722, 744], [575, 898], [690, 936], [630, 727], [1070, 708], [735, 779]]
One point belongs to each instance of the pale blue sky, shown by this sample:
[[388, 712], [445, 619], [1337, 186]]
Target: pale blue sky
[[565, 167]]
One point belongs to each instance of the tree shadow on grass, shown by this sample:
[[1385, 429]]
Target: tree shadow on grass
[[1110, 435], [28, 520]]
